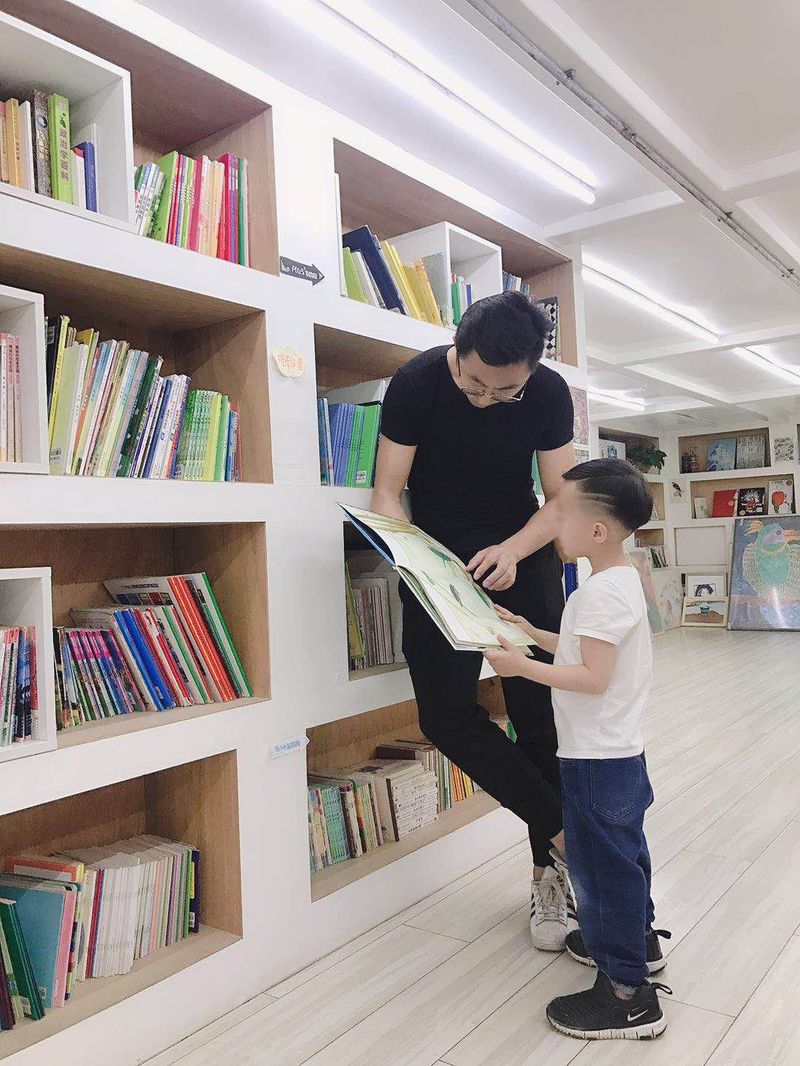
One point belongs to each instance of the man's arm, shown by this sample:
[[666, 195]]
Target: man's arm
[[592, 675], [500, 560], [392, 468]]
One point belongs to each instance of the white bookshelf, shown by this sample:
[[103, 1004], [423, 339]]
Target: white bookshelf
[[100, 100], [25, 600], [22, 314]]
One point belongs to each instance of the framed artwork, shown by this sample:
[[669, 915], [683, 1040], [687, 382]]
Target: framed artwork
[[781, 497], [751, 452], [765, 573], [669, 590], [581, 418], [722, 454], [640, 557], [783, 450], [552, 341], [751, 501], [713, 586], [612, 449], [700, 507], [706, 612]]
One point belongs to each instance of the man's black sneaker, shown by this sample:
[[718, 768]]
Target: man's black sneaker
[[599, 1014], [655, 957]]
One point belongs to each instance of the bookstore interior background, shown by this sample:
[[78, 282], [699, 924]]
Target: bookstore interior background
[[223, 228]]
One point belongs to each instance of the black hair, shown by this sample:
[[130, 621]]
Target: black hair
[[618, 488], [504, 330]]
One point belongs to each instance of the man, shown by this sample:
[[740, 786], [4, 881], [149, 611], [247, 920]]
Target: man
[[460, 427]]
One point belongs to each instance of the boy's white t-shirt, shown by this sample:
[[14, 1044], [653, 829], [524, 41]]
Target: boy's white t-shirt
[[609, 606]]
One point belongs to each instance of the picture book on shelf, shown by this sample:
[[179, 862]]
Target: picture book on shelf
[[781, 497], [458, 605], [751, 501], [724, 503]]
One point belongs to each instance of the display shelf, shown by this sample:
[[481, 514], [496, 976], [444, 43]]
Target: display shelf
[[196, 802], [22, 314], [699, 445], [25, 600], [774, 472], [99, 96], [705, 488]]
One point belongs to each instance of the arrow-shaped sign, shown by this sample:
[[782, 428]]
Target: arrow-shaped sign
[[301, 270]]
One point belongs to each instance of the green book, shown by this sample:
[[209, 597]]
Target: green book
[[60, 148], [354, 447], [184, 440], [222, 438], [24, 976], [351, 281], [139, 415], [365, 464], [210, 460], [187, 195], [169, 165], [455, 296]]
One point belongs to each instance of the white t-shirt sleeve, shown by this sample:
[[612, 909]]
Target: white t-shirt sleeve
[[604, 613]]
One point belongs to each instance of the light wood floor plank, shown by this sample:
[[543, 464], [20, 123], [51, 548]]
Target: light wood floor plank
[[178, 1052], [422, 1023], [325, 963], [721, 962], [678, 774], [768, 1029], [296, 1026]]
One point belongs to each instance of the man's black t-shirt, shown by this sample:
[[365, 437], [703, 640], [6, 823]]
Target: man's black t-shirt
[[471, 480]]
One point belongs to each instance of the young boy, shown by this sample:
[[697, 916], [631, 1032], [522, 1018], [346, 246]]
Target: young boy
[[601, 678]]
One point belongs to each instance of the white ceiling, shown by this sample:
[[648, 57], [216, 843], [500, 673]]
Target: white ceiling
[[713, 86]]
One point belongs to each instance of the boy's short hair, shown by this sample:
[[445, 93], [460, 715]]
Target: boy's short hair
[[618, 488], [504, 329]]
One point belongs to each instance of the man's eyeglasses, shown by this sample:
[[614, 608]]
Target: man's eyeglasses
[[479, 394]]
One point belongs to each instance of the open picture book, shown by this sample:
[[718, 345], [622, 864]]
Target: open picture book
[[440, 581]]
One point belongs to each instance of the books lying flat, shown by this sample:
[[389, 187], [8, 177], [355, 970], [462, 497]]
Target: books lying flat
[[19, 698], [458, 605]]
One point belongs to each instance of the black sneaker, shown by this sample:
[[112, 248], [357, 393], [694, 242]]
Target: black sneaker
[[655, 957], [599, 1014]]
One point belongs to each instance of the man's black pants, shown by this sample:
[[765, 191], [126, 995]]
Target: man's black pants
[[524, 777]]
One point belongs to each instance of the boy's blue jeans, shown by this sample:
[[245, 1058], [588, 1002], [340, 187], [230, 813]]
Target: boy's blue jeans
[[609, 864]]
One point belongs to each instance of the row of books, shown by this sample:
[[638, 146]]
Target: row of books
[[10, 399], [374, 273], [89, 912], [166, 645], [112, 414], [748, 501], [374, 611], [513, 283], [349, 422], [657, 554], [19, 697], [202, 204], [37, 154]]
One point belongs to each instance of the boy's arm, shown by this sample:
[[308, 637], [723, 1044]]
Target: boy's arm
[[593, 675]]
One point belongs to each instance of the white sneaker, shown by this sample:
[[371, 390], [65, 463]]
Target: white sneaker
[[569, 891], [548, 912]]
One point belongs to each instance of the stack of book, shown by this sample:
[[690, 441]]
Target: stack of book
[[89, 912], [657, 552], [10, 399], [37, 154], [349, 422], [453, 785], [374, 611], [111, 414], [374, 274], [165, 646], [19, 696], [201, 204], [512, 283]]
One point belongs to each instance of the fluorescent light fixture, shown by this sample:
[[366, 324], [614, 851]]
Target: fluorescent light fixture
[[645, 303], [617, 400], [365, 37], [764, 361]]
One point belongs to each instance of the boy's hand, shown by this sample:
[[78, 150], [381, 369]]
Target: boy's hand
[[511, 661], [516, 619]]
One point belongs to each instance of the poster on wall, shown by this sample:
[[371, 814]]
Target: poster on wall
[[669, 590], [581, 419], [640, 557], [765, 574]]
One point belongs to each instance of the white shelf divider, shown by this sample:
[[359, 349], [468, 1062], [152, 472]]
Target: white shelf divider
[[22, 314]]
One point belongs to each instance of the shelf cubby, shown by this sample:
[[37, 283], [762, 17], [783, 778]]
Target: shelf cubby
[[705, 489], [344, 358], [22, 314], [364, 561], [394, 204], [352, 741], [99, 94], [82, 558], [699, 445], [195, 802], [25, 600], [219, 344]]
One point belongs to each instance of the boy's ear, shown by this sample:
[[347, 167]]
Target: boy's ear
[[600, 533]]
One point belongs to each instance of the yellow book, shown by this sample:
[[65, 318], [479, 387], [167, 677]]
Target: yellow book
[[399, 275], [13, 146], [413, 284], [429, 300]]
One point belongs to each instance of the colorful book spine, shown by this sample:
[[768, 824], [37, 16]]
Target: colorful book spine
[[60, 154]]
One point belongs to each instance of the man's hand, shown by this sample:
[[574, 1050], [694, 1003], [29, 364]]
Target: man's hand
[[511, 661], [498, 563], [516, 619]]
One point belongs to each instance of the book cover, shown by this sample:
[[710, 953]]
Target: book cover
[[169, 167], [89, 174], [751, 501], [362, 240], [13, 153], [60, 154], [352, 281], [781, 497], [41, 911], [724, 505], [28, 175], [41, 142], [21, 960]]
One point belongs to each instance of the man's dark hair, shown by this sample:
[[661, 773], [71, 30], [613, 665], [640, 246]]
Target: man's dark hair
[[618, 488], [504, 329]]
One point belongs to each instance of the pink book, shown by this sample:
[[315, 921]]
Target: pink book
[[194, 221], [64, 948], [224, 218]]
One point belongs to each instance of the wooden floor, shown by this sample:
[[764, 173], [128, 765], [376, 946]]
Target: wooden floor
[[454, 980]]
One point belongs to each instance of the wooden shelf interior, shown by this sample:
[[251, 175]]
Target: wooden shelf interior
[[176, 105], [649, 537], [705, 489], [657, 489], [196, 802], [699, 445], [220, 345], [627, 438], [21, 315], [233, 555], [559, 281], [344, 358]]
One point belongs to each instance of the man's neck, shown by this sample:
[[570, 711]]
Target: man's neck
[[606, 556]]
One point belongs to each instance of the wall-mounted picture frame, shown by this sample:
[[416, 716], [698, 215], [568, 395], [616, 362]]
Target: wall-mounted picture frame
[[705, 612]]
